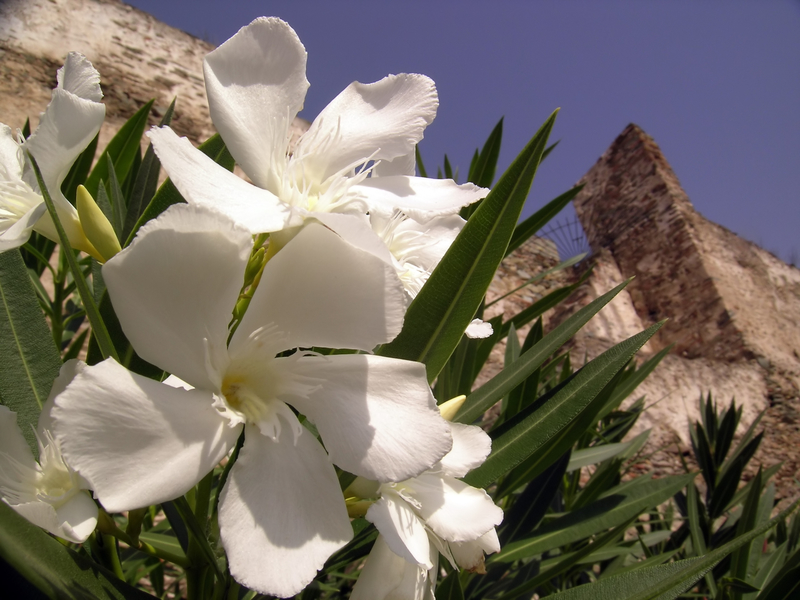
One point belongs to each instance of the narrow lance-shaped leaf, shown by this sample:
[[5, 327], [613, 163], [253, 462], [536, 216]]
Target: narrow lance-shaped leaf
[[58, 572], [440, 313], [520, 437], [668, 581], [144, 188], [484, 397], [610, 510], [28, 354]]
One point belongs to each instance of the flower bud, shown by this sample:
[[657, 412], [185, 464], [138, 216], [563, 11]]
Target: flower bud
[[96, 226], [450, 408]]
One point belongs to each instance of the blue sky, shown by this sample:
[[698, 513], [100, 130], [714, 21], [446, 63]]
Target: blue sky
[[717, 84]]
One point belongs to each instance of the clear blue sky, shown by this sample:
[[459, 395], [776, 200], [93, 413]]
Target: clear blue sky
[[717, 84]]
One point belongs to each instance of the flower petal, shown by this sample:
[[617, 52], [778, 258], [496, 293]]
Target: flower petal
[[471, 446], [470, 555], [138, 442], [65, 376], [174, 289], [69, 123], [421, 198], [478, 329], [402, 529], [73, 521], [19, 233], [77, 517], [11, 160], [376, 415], [381, 120], [202, 181], [281, 513], [453, 510], [387, 576], [321, 291], [256, 83]]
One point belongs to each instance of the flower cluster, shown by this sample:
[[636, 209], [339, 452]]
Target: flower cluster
[[290, 388]]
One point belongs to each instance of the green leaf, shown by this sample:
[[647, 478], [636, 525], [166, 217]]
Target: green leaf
[[617, 506], [98, 326], [117, 201], [779, 578], [60, 573], [450, 588], [144, 187], [79, 171], [447, 303], [665, 582], [168, 194], [537, 426], [168, 543], [484, 397], [28, 353], [122, 149], [540, 218], [531, 505], [482, 173], [740, 559], [596, 454]]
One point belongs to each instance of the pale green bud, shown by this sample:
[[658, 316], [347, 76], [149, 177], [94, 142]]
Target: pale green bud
[[97, 228]]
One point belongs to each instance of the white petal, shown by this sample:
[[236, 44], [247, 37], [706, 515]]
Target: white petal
[[402, 165], [65, 376], [11, 159], [421, 198], [19, 233], [69, 123], [202, 181], [471, 446], [174, 289], [376, 415], [138, 442], [437, 234], [478, 329], [77, 517], [321, 291], [357, 231], [386, 576], [453, 510], [256, 84], [12, 442], [282, 513], [403, 531], [470, 555], [381, 120]]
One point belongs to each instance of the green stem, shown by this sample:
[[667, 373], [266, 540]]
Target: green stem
[[99, 329], [105, 547]]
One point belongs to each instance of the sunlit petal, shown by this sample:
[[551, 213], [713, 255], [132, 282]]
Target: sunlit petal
[[202, 181], [282, 513], [471, 446], [421, 198], [376, 415], [387, 576], [321, 291], [256, 84], [138, 442], [174, 289], [403, 531], [381, 120]]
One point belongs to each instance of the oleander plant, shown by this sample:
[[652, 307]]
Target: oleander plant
[[265, 387]]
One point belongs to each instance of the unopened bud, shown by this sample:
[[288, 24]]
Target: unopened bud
[[96, 226], [450, 408]]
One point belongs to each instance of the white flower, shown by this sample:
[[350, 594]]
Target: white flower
[[357, 157], [426, 515], [70, 122], [48, 493], [416, 248], [140, 442]]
